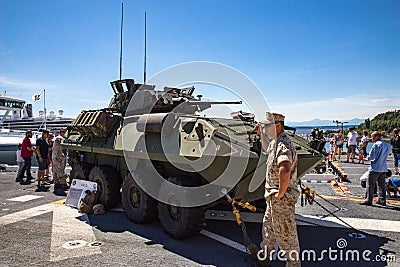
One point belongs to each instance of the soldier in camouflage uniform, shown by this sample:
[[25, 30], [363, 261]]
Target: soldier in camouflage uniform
[[59, 161], [281, 190]]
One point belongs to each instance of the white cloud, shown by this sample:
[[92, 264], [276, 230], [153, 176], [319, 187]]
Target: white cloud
[[5, 81], [354, 106]]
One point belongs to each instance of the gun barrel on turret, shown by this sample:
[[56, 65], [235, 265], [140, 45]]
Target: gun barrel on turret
[[203, 105], [213, 102]]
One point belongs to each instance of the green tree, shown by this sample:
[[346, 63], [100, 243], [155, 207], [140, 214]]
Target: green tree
[[382, 122]]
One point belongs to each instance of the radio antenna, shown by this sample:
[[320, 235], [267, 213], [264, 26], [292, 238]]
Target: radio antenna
[[120, 53], [145, 48]]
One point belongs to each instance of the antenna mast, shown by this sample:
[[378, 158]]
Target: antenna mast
[[120, 54], [44, 107], [145, 47]]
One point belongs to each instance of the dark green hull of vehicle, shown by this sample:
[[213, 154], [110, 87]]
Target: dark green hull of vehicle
[[131, 141]]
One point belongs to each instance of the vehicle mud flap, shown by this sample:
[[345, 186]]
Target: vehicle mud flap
[[178, 222], [139, 207], [109, 185]]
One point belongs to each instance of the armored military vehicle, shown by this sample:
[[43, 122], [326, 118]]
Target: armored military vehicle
[[146, 141]]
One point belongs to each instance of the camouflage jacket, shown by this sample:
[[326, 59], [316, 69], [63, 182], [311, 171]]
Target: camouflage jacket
[[58, 153], [281, 150]]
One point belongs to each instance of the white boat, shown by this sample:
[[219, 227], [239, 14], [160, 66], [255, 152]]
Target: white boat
[[9, 141], [18, 116], [17, 119]]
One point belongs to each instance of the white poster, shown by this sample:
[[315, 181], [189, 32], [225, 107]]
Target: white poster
[[77, 191]]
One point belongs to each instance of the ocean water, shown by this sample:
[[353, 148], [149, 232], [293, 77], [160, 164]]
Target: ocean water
[[306, 130], [369, 146]]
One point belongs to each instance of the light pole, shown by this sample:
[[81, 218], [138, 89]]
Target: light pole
[[44, 107], [339, 122]]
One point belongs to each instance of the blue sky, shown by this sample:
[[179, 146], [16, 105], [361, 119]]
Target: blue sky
[[311, 59]]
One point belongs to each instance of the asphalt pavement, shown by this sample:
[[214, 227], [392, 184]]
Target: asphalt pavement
[[37, 229]]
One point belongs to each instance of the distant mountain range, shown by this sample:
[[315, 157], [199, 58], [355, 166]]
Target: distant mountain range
[[318, 122]]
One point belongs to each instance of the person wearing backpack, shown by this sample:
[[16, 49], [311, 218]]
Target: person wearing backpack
[[395, 142]]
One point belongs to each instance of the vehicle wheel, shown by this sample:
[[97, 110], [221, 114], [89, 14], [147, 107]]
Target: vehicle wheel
[[108, 185], [80, 171], [179, 222], [139, 207]]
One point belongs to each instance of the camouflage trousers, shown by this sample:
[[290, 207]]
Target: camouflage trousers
[[279, 226], [59, 172]]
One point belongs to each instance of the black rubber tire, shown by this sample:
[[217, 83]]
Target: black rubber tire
[[109, 185], [189, 221], [80, 171], [144, 209]]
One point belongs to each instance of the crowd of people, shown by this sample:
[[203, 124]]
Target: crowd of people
[[374, 180], [49, 155], [356, 147], [353, 143]]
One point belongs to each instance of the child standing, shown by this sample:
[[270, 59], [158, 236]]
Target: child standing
[[20, 161], [361, 149], [331, 150]]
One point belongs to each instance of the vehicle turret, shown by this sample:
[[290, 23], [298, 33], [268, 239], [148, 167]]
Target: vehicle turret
[[146, 133]]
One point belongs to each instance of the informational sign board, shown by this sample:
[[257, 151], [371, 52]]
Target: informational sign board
[[77, 191]]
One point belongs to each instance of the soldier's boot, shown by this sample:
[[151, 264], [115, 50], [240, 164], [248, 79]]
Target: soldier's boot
[[63, 183], [58, 190]]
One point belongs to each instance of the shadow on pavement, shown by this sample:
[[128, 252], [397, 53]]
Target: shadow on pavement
[[327, 246], [199, 248]]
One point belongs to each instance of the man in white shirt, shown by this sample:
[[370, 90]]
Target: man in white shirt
[[352, 139]]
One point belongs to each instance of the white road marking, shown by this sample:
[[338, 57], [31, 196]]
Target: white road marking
[[68, 224], [318, 177], [221, 215], [361, 224], [25, 214], [224, 240], [358, 223], [24, 198]]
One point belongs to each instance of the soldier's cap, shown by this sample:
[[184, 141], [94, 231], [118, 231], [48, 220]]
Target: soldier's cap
[[271, 118]]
